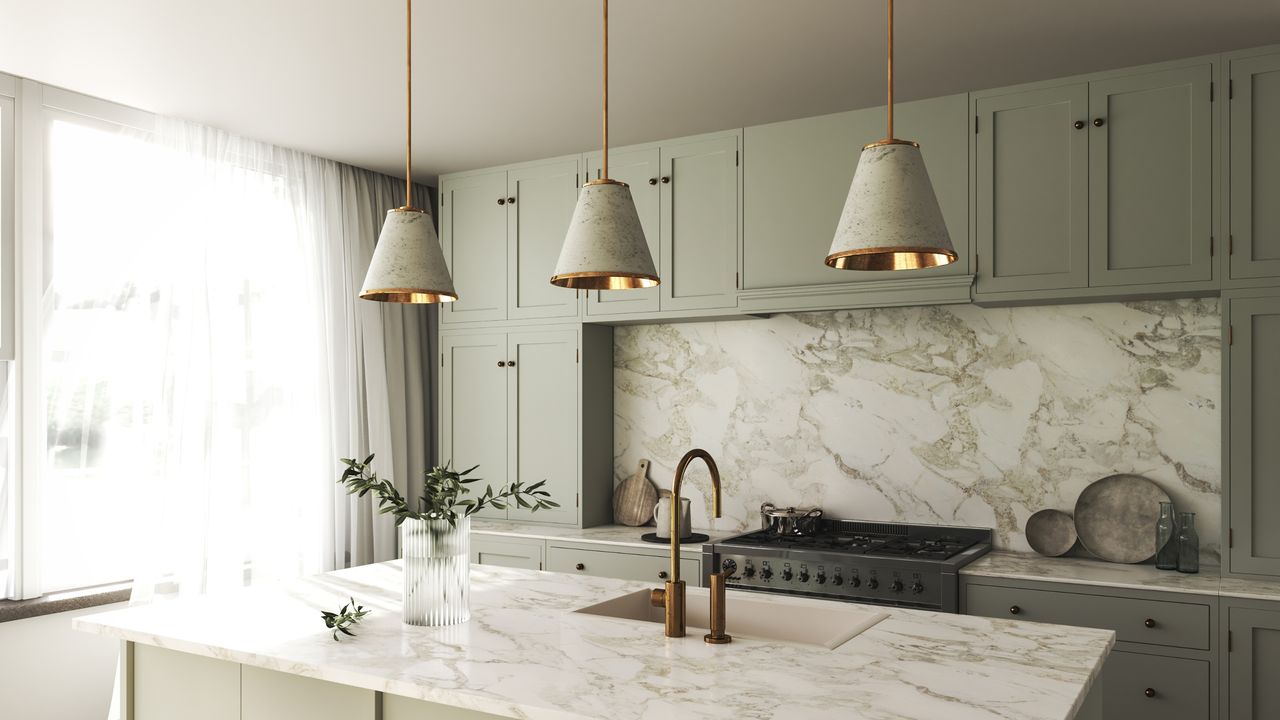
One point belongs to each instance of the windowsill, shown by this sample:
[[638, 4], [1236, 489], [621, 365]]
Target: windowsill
[[63, 601]]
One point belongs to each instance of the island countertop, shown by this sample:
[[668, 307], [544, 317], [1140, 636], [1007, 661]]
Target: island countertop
[[525, 654]]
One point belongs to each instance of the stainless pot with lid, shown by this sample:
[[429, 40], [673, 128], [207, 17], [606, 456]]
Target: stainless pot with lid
[[789, 521]]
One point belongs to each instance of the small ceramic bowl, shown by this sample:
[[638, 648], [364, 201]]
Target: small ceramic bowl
[[1051, 532]]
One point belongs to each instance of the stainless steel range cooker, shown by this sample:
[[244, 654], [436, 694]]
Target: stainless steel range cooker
[[853, 560]]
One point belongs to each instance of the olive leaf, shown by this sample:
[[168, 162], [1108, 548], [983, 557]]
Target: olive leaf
[[350, 614]]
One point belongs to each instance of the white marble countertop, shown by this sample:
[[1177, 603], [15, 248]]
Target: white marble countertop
[[618, 535], [1085, 571], [525, 654]]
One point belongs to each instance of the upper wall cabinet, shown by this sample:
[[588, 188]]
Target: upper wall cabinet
[[1095, 188], [638, 168], [501, 232], [1254, 167], [796, 178], [699, 189]]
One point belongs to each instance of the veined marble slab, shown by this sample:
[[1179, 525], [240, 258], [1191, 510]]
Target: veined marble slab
[[955, 415], [526, 654], [615, 535]]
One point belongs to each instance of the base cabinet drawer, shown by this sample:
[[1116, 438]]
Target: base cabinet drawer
[[624, 566], [1154, 622], [524, 553], [1151, 687]]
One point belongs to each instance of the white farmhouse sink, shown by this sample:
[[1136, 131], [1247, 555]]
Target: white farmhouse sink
[[818, 623]]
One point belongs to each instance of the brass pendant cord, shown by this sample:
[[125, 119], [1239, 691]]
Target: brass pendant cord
[[605, 151], [889, 136], [408, 104]]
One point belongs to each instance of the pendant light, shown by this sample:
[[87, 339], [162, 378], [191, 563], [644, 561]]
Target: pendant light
[[408, 265], [605, 248], [891, 219]]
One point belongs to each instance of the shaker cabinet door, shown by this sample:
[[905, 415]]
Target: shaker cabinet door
[[1254, 109], [1150, 178], [473, 233], [1253, 664], [542, 419], [699, 188], [1253, 407], [639, 170], [1031, 190], [473, 408], [540, 203]]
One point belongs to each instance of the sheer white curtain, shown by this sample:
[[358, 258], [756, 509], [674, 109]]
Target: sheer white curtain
[[254, 366]]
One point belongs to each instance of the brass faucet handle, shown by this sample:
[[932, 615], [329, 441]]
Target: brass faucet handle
[[717, 636], [658, 597]]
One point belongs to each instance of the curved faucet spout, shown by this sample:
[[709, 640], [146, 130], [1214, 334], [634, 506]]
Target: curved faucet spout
[[681, 467], [671, 597]]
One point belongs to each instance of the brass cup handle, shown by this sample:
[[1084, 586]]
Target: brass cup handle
[[1149, 692], [502, 201], [653, 181], [662, 574], [1098, 122], [502, 363], [1149, 622], [1014, 610], [511, 201], [1079, 124], [666, 179], [579, 566]]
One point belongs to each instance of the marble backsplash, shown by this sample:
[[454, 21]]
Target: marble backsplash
[[956, 415]]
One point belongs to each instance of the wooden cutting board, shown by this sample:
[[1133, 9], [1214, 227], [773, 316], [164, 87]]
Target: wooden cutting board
[[634, 498]]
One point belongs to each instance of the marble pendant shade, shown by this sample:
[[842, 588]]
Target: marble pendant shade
[[891, 219], [605, 248], [408, 265]]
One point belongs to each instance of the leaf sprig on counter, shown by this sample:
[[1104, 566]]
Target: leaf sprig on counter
[[339, 622], [443, 491]]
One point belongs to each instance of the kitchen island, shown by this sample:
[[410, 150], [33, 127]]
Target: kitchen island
[[526, 654]]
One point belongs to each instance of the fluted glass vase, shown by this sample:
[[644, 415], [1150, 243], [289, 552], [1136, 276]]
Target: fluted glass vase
[[437, 587]]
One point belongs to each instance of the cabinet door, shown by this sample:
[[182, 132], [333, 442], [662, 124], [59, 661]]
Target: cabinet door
[[1255, 167], [169, 684], [1150, 178], [1253, 664], [699, 188], [1253, 426], [271, 694], [796, 176], [639, 169], [542, 419], [1031, 190], [473, 407], [1141, 687], [473, 233], [540, 202]]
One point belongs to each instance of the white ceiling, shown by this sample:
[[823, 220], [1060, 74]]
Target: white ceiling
[[499, 81]]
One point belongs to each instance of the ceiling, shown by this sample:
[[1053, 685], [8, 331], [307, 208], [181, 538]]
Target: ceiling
[[499, 81]]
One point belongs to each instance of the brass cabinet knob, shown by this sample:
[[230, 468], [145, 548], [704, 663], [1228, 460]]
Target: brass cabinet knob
[[653, 181], [579, 566], [511, 201], [1149, 622], [1149, 692], [511, 363], [1097, 122], [666, 179], [502, 363], [662, 574], [1015, 610], [1079, 124], [502, 201]]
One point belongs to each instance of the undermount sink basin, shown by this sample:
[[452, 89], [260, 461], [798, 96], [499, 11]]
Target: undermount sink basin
[[818, 623]]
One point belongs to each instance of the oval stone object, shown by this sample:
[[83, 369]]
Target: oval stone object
[[1116, 518]]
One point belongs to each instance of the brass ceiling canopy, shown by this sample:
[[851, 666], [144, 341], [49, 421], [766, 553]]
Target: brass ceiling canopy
[[891, 218]]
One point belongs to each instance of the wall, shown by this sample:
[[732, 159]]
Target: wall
[[959, 415], [50, 672]]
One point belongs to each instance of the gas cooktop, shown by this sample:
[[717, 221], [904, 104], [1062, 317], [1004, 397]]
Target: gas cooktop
[[862, 538]]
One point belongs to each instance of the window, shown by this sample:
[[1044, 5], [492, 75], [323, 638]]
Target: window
[[8, 496]]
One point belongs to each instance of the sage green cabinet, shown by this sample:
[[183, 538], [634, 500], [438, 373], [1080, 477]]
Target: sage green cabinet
[[638, 168], [621, 563], [699, 190], [165, 684], [507, 551], [501, 231], [513, 401], [1252, 416], [796, 177], [1253, 660], [1151, 178], [1097, 188], [473, 234], [1031, 214], [1254, 162], [270, 695], [1140, 686]]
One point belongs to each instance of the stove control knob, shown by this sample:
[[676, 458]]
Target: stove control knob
[[872, 583], [729, 567], [855, 581], [896, 586], [822, 579], [749, 571], [837, 580], [766, 572], [917, 588], [786, 573], [804, 576]]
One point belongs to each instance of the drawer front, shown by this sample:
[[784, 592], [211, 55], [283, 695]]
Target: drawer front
[[1151, 687], [506, 552], [1155, 622], [624, 566]]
